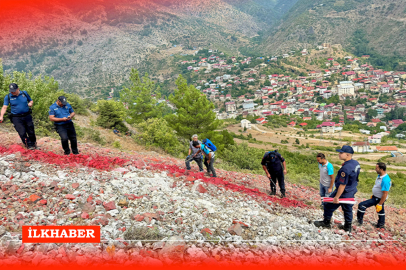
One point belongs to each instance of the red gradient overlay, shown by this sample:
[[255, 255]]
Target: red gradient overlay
[[61, 234], [226, 265]]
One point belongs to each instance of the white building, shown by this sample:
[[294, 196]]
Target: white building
[[361, 147], [231, 107], [245, 124], [375, 139], [346, 88]]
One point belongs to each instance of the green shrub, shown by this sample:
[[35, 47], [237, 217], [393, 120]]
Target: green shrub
[[117, 144], [156, 132], [89, 134], [244, 157]]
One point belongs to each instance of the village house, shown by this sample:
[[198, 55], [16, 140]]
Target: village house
[[375, 139], [245, 124], [261, 120], [231, 106], [386, 148], [361, 147], [328, 127]]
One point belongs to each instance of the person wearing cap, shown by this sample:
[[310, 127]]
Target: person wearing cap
[[61, 113], [379, 196], [20, 116], [193, 149], [209, 157], [346, 183]]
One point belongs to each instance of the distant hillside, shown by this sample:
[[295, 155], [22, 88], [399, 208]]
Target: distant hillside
[[364, 26], [90, 46]]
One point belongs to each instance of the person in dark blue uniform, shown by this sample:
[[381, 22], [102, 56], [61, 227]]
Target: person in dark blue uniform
[[346, 183], [272, 165], [61, 113], [20, 116]]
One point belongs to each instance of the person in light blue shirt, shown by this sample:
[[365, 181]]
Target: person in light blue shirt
[[326, 177], [380, 195], [209, 157]]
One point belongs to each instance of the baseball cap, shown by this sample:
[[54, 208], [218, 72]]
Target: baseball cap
[[62, 99], [346, 149], [13, 87]]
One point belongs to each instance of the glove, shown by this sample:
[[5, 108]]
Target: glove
[[378, 208]]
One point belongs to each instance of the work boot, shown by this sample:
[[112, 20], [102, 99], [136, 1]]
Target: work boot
[[272, 193], [346, 227], [359, 223], [324, 223], [379, 226], [283, 195]]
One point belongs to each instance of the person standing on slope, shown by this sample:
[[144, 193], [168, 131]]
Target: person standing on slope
[[326, 177], [380, 195], [197, 158], [61, 113], [272, 164], [346, 183]]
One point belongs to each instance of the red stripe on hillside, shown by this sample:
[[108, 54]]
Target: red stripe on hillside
[[107, 163], [176, 171], [94, 161]]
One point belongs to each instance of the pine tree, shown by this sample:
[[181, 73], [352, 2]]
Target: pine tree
[[141, 98], [194, 113], [111, 114]]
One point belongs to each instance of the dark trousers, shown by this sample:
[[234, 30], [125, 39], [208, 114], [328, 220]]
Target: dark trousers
[[277, 177], [329, 208], [210, 166], [25, 128], [67, 133], [198, 160], [362, 207]]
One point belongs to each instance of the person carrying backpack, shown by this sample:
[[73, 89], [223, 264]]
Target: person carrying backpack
[[208, 149], [21, 104], [272, 165]]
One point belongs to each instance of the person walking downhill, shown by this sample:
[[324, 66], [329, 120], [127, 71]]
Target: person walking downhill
[[346, 183], [192, 154], [21, 104], [380, 195], [326, 177]]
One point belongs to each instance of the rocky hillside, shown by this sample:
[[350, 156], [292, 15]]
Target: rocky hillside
[[90, 46], [378, 22], [152, 212]]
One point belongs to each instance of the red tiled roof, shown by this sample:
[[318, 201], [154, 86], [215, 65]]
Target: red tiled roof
[[386, 148]]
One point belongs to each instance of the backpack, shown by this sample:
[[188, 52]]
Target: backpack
[[209, 145]]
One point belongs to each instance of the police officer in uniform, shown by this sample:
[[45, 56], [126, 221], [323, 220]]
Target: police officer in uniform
[[20, 115], [61, 113], [346, 183], [272, 165]]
